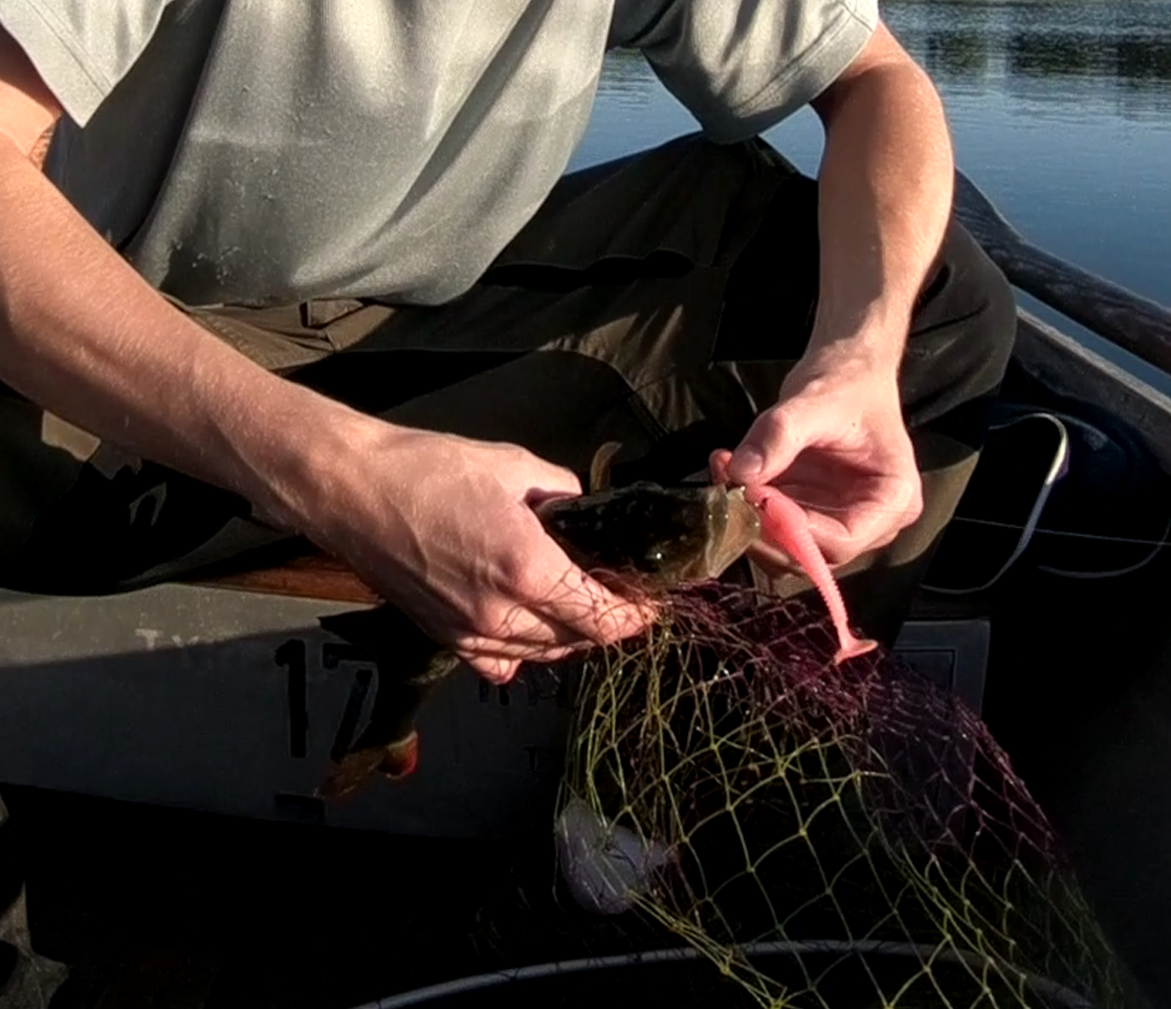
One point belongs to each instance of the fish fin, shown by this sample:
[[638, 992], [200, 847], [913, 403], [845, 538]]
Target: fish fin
[[736, 526], [350, 773], [600, 467], [393, 761], [400, 758]]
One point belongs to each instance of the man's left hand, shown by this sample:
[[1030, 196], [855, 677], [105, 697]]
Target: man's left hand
[[836, 444]]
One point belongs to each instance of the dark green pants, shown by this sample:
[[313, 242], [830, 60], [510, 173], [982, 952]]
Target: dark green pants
[[657, 300]]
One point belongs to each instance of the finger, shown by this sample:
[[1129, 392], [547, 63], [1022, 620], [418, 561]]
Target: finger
[[548, 480], [519, 634], [583, 607], [559, 483], [773, 560], [718, 464], [567, 598], [512, 631], [539, 620], [569, 610], [768, 449], [492, 668], [500, 668], [855, 529], [509, 647]]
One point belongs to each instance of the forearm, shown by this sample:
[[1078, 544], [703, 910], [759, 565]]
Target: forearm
[[885, 191], [82, 335]]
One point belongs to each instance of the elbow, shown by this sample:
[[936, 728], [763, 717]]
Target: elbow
[[882, 72], [29, 111], [902, 86]]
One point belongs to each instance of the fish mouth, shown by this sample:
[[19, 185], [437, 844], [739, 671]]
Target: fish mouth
[[734, 525]]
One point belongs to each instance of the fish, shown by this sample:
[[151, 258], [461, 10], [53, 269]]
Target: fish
[[640, 537], [644, 535]]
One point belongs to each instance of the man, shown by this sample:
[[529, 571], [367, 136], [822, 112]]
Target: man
[[312, 263], [203, 199]]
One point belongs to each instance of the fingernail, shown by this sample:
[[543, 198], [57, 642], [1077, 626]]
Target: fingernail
[[747, 462]]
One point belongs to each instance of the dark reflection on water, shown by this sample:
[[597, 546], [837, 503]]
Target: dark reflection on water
[[1122, 47], [1124, 59], [1060, 111], [956, 55]]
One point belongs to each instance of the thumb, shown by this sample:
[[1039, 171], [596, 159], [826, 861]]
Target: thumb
[[495, 669], [550, 481], [768, 449]]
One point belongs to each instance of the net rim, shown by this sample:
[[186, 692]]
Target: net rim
[[1056, 995]]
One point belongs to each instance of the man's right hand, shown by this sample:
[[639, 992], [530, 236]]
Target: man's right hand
[[444, 528]]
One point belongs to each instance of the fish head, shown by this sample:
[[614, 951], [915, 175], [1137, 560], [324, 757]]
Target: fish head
[[656, 537]]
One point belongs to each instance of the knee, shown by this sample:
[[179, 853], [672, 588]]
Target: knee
[[961, 340], [983, 305]]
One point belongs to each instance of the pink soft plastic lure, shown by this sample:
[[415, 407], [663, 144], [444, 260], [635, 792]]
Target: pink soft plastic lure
[[785, 523]]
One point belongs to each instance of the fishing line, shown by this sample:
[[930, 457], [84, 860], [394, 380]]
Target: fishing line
[[1030, 529], [1012, 526], [1069, 533]]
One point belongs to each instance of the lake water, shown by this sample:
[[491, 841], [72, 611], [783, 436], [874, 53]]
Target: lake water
[[1060, 111]]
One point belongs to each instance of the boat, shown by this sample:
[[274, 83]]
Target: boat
[[227, 698]]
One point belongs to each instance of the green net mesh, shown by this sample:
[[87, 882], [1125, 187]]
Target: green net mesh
[[827, 836]]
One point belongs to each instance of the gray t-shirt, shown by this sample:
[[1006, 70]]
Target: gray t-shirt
[[271, 151]]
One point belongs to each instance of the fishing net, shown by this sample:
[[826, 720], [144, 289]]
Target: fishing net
[[828, 836]]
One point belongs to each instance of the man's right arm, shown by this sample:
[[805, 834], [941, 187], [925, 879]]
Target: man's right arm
[[439, 525], [82, 334]]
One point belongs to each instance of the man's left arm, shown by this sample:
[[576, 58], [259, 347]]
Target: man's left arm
[[885, 191], [836, 441]]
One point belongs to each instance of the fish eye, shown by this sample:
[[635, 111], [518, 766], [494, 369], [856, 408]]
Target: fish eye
[[656, 555]]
